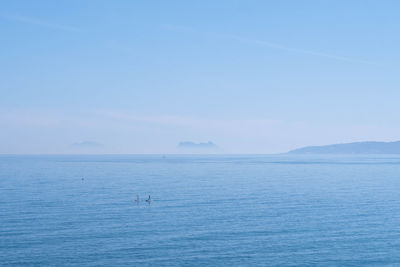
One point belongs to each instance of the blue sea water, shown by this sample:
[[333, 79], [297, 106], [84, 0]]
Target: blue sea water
[[282, 210]]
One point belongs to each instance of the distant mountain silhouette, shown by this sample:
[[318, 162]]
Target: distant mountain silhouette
[[352, 148], [193, 145]]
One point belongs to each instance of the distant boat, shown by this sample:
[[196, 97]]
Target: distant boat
[[148, 200], [137, 199]]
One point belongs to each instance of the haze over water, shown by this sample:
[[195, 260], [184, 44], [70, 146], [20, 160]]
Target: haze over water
[[101, 101], [207, 210], [140, 77]]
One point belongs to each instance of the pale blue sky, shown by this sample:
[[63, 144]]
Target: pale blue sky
[[251, 76]]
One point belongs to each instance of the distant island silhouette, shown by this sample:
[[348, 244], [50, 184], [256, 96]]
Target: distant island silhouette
[[352, 148], [193, 145], [86, 144]]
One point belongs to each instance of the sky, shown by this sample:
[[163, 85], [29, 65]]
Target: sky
[[250, 76]]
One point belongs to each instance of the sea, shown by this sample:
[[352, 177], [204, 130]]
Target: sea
[[206, 210]]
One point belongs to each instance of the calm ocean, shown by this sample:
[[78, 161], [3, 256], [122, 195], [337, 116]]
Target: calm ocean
[[281, 210]]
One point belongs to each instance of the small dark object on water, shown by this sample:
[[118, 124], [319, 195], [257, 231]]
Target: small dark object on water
[[148, 200]]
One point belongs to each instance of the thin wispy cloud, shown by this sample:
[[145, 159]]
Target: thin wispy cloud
[[296, 50], [38, 22], [269, 44]]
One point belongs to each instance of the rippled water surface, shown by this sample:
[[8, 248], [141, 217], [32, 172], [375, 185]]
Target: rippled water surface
[[206, 210]]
